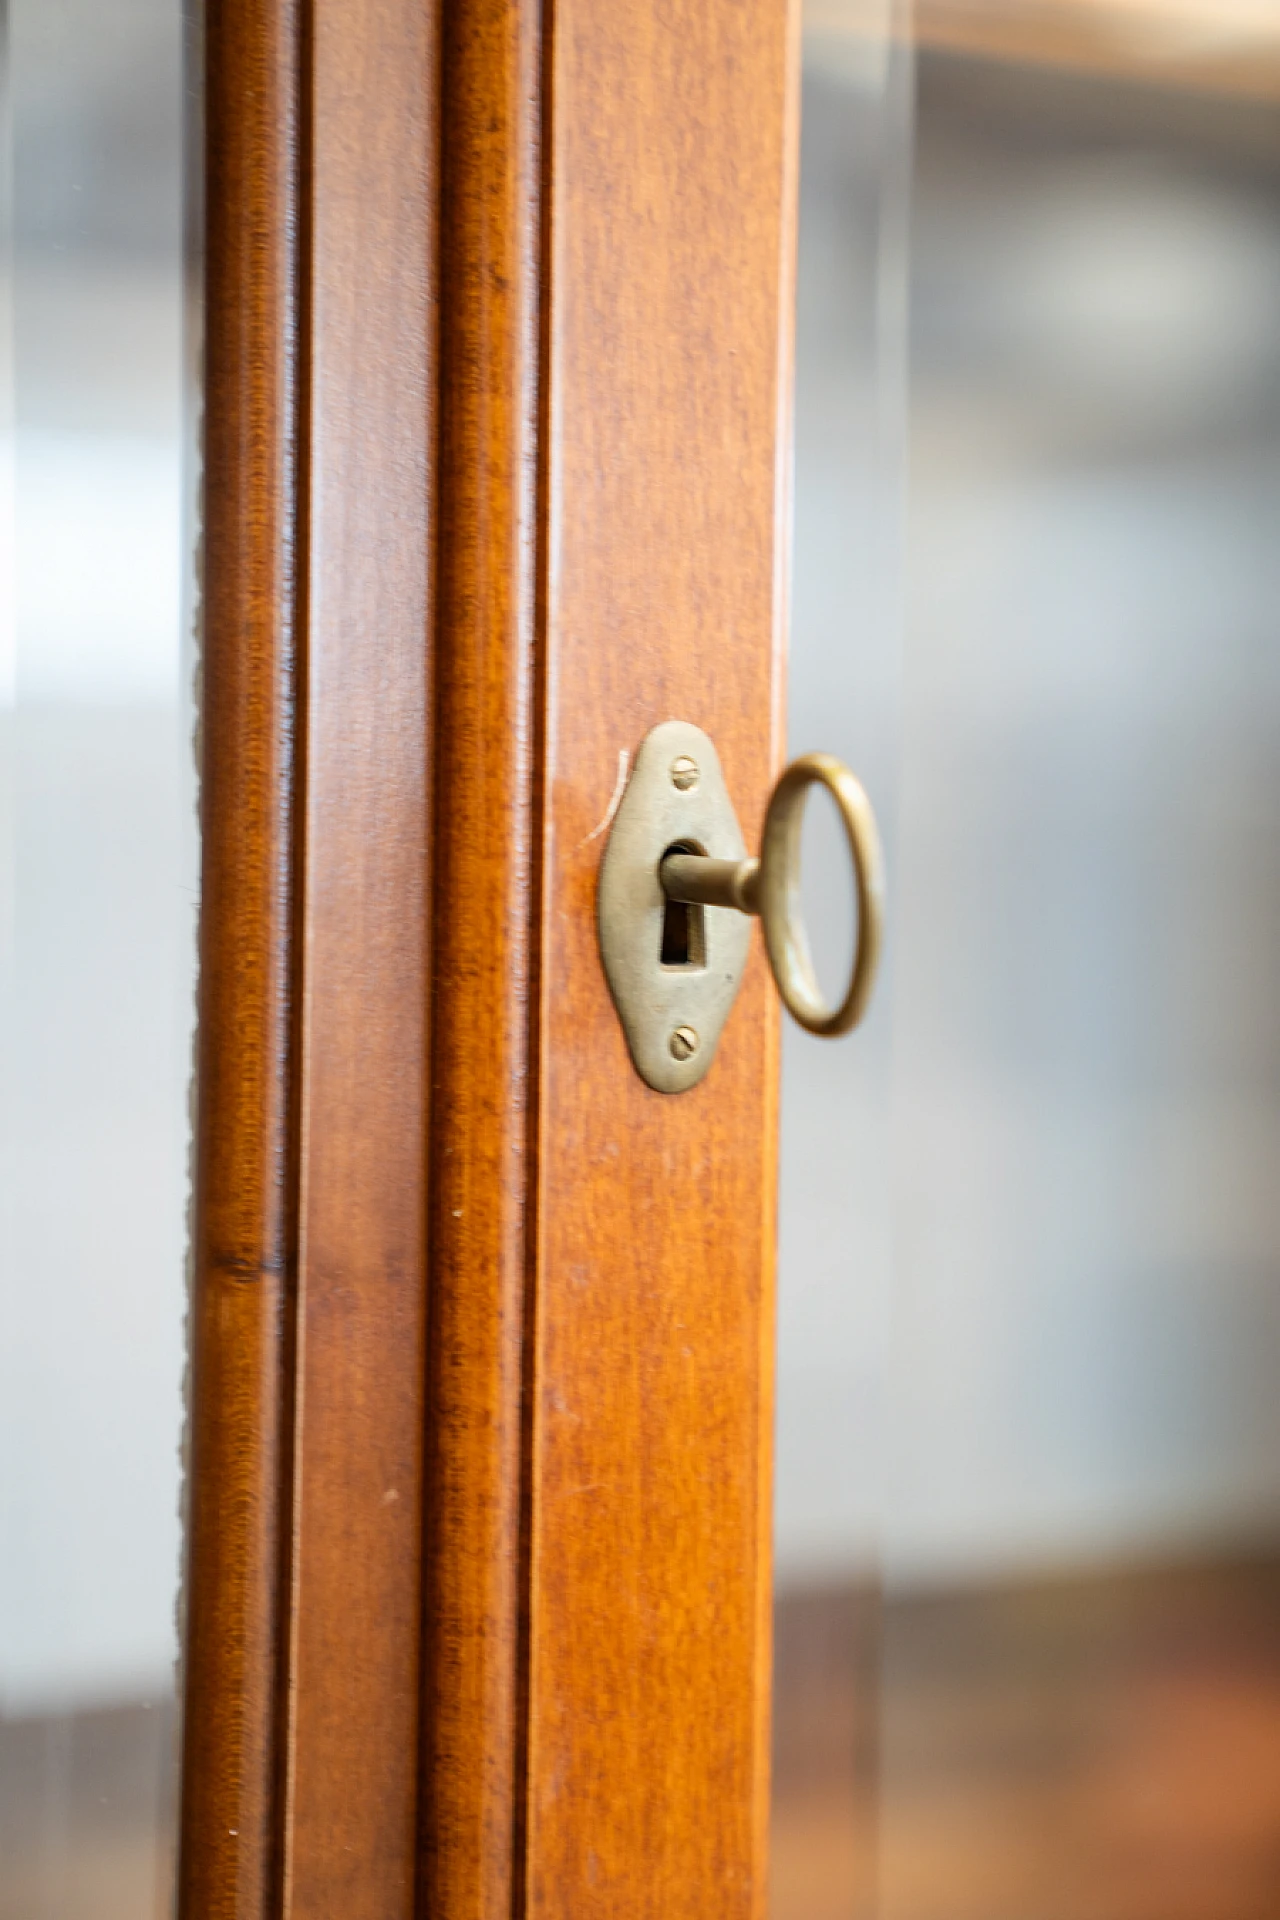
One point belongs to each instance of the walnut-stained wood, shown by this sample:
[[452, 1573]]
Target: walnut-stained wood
[[620, 192], [611, 553], [301, 1770], [356, 1577], [670, 184], [244, 1218], [482, 1387], [485, 921]]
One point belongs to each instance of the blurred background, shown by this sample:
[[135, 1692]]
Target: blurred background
[[1028, 1502], [1028, 1488], [97, 917]]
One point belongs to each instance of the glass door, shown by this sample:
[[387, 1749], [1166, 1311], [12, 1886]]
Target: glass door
[[98, 856], [1028, 1616]]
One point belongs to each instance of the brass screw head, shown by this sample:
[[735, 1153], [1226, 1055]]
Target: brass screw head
[[684, 1043], [684, 774]]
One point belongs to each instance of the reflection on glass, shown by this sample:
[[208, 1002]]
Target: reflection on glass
[[1082, 1641], [99, 879], [1030, 1235]]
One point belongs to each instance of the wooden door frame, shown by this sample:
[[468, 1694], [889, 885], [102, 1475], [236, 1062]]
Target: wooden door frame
[[496, 404]]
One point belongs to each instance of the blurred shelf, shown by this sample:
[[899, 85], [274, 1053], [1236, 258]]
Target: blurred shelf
[[1228, 46], [1096, 1747]]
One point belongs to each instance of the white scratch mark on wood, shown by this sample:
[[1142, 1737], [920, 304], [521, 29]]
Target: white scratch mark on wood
[[613, 805]]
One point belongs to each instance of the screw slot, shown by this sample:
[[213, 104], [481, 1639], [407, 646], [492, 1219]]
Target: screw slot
[[684, 1043], [684, 772]]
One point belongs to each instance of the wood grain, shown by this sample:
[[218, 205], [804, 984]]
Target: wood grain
[[356, 1600], [244, 1220], [484, 912], [569, 1714], [301, 1753], [671, 178]]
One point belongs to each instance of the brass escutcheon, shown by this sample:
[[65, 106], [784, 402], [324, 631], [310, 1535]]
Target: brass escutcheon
[[675, 840]]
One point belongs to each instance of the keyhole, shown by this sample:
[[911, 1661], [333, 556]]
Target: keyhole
[[684, 940]]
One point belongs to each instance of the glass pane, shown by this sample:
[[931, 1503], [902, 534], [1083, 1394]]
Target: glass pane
[[1028, 1505], [99, 891], [1082, 1637], [835, 1216]]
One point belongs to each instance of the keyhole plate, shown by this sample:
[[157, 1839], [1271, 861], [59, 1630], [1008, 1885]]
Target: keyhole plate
[[676, 796]]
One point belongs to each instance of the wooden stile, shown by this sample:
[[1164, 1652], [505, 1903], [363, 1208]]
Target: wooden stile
[[499, 328]]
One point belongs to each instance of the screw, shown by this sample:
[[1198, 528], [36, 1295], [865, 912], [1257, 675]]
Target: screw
[[684, 1043], [684, 774]]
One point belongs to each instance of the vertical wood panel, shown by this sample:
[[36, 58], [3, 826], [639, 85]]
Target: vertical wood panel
[[357, 1527], [485, 918], [671, 184], [244, 1221], [585, 1435]]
